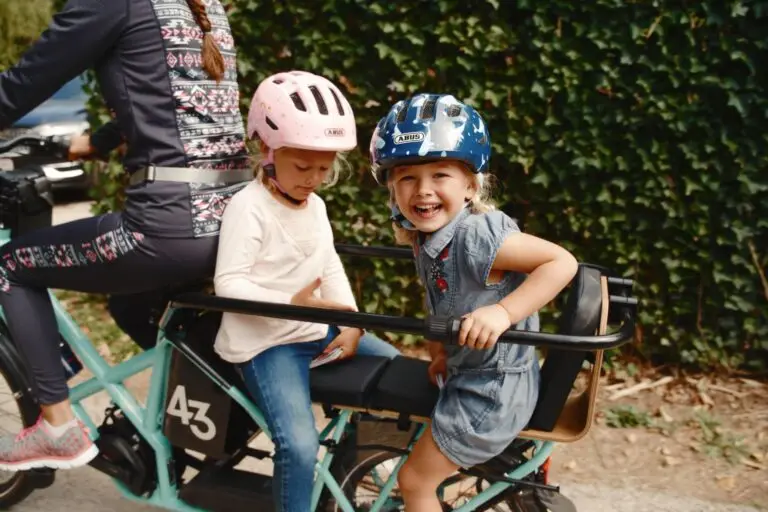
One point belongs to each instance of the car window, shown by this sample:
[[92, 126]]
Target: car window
[[72, 90]]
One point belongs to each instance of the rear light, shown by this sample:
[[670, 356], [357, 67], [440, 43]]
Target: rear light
[[544, 471]]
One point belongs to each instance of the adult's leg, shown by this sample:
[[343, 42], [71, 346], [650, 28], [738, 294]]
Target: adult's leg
[[96, 255], [138, 314]]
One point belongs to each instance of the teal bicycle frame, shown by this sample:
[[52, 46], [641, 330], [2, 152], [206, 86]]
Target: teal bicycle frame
[[148, 418]]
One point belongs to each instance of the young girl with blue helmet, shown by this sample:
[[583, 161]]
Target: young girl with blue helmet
[[432, 152]]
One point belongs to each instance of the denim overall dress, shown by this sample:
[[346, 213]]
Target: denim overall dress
[[489, 395]]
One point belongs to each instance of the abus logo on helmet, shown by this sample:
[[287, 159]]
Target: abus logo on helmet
[[405, 138], [334, 132]]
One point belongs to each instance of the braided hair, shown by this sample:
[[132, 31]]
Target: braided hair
[[213, 62]]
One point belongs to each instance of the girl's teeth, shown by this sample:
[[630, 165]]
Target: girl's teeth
[[427, 210]]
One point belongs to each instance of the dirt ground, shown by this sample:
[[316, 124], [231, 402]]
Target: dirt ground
[[704, 437]]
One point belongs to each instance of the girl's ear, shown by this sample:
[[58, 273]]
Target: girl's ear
[[471, 189]]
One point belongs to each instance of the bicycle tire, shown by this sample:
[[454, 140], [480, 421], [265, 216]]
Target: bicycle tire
[[355, 476], [352, 479]]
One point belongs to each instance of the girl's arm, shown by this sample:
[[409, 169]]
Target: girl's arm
[[335, 284], [335, 287], [494, 244], [240, 242], [549, 267]]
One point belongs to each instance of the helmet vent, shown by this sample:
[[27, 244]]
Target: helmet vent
[[403, 111], [428, 110], [453, 111], [277, 81], [321, 106], [271, 124], [338, 102], [297, 102]]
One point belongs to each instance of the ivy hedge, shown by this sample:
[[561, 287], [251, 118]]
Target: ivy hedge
[[20, 24], [632, 132]]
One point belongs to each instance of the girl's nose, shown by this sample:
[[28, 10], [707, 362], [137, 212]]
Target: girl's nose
[[424, 188]]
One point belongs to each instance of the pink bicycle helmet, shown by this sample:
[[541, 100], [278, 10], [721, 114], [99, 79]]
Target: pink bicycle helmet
[[302, 110]]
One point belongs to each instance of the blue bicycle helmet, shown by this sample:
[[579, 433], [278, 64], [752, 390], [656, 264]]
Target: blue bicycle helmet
[[429, 127]]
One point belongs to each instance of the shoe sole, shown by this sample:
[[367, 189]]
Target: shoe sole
[[81, 460]]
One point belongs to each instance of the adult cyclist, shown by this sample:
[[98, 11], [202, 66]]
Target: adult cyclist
[[167, 70]]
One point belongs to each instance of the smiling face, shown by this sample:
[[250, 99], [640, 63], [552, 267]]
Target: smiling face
[[430, 195], [300, 171]]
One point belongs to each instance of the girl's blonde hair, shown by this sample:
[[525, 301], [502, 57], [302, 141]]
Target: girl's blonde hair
[[479, 203], [340, 165]]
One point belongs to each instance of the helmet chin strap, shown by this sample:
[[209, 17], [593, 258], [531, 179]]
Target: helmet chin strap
[[268, 164], [399, 219]]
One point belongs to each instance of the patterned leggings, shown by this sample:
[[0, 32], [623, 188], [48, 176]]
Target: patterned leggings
[[94, 255]]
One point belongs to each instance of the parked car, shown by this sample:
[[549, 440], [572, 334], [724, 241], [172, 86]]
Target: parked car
[[62, 116]]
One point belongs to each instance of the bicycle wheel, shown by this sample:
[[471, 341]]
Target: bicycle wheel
[[18, 409], [364, 482]]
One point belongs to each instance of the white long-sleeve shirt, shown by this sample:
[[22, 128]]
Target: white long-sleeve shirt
[[268, 252]]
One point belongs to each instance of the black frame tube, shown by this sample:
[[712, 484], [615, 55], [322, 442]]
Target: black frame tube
[[622, 308], [434, 328], [376, 251]]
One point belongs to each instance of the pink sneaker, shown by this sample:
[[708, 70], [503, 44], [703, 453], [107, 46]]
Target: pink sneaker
[[35, 447]]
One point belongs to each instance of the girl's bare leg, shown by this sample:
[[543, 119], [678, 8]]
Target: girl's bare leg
[[422, 473]]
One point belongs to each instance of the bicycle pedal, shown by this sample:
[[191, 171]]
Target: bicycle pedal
[[42, 477]]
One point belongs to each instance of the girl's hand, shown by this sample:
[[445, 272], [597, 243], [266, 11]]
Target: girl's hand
[[481, 328], [438, 366], [348, 340], [306, 297]]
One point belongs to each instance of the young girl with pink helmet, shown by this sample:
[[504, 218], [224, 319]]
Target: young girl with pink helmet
[[276, 245]]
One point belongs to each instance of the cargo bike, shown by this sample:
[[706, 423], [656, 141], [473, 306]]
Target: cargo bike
[[187, 444]]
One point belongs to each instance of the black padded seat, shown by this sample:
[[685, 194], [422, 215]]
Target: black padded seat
[[405, 388], [347, 383]]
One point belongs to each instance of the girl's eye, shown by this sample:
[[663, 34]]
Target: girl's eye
[[302, 168], [441, 175]]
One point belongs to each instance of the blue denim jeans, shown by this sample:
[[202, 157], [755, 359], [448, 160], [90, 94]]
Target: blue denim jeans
[[278, 381]]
